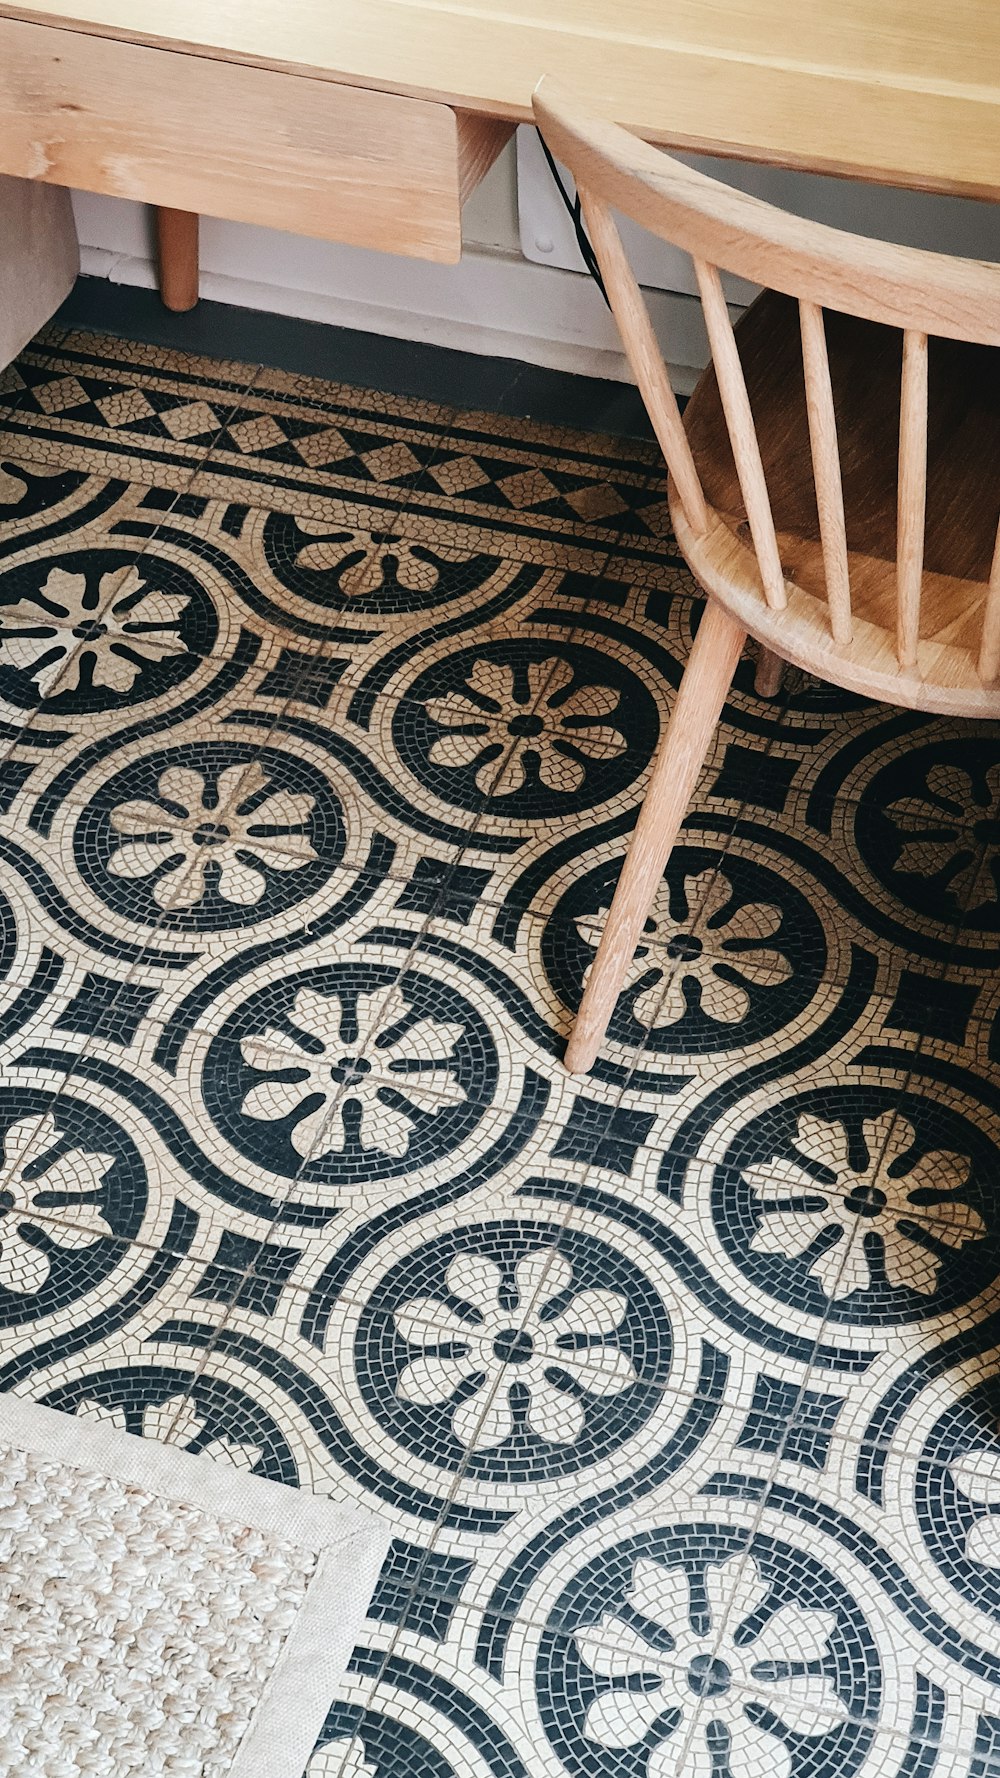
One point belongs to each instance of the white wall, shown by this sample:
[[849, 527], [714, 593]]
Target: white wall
[[494, 302], [514, 295]]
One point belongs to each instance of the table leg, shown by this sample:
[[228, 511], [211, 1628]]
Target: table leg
[[177, 252]]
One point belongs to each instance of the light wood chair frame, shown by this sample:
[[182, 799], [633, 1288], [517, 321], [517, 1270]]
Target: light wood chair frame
[[922, 294]]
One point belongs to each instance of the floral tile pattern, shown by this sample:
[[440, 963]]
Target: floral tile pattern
[[324, 720]]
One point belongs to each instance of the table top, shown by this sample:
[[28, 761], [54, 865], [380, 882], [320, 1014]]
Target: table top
[[904, 91]]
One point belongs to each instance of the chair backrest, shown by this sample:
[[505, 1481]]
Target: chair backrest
[[921, 293]]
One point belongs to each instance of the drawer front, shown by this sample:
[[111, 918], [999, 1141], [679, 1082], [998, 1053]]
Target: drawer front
[[223, 139]]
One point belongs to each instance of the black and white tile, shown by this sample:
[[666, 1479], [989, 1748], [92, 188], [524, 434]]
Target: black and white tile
[[324, 720]]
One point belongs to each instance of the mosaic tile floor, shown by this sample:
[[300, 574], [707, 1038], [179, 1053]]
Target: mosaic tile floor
[[324, 718]]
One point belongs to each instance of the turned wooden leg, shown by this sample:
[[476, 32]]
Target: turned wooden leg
[[707, 678], [177, 252], [767, 679]]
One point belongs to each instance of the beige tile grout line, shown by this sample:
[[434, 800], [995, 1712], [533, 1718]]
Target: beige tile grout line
[[518, 1317], [703, 1709], [161, 519], [688, 926], [426, 922], [227, 1308], [275, 1225], [522, 1311], [150, 941], [568, 1211], [827, 1321], [413, 950], [810, 1370], [230, 1308], [702, 1712], [137, 967], [539, 1295]]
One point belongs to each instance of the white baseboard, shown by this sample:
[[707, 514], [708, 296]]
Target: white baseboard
[[493, 304]]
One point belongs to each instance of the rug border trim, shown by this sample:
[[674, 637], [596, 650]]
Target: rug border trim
[[350, 1544], [312, 1520]]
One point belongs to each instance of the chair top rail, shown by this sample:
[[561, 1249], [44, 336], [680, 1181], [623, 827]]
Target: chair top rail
[[905, 287]]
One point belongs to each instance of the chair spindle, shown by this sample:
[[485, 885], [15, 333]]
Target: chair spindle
[[826, 469], [742, 432], [848, 291], [644, 355], [911, 495]]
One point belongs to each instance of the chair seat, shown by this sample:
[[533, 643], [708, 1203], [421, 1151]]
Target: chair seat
[[963, 503]]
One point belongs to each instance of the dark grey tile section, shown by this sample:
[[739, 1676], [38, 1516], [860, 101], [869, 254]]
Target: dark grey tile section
[[593, 404], [367, 360]]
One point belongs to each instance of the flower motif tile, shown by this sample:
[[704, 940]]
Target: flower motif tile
[[68, 632], [324, 719], [713, 1677], [488, 1345], [912, 1204]]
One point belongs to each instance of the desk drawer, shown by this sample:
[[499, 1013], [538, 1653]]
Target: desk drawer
[[224, 139]]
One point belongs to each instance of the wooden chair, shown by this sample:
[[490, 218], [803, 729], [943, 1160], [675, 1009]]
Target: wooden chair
[[834, 483]]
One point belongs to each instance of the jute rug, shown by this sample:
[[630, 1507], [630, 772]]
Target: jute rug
[[161, 1614]]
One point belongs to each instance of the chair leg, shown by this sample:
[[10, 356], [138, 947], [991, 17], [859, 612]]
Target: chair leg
[[707, 678], [767, 679]]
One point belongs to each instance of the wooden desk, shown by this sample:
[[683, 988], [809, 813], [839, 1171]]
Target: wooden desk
[[369, 120]]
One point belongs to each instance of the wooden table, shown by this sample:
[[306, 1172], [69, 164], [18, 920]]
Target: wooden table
[[369, 121]]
